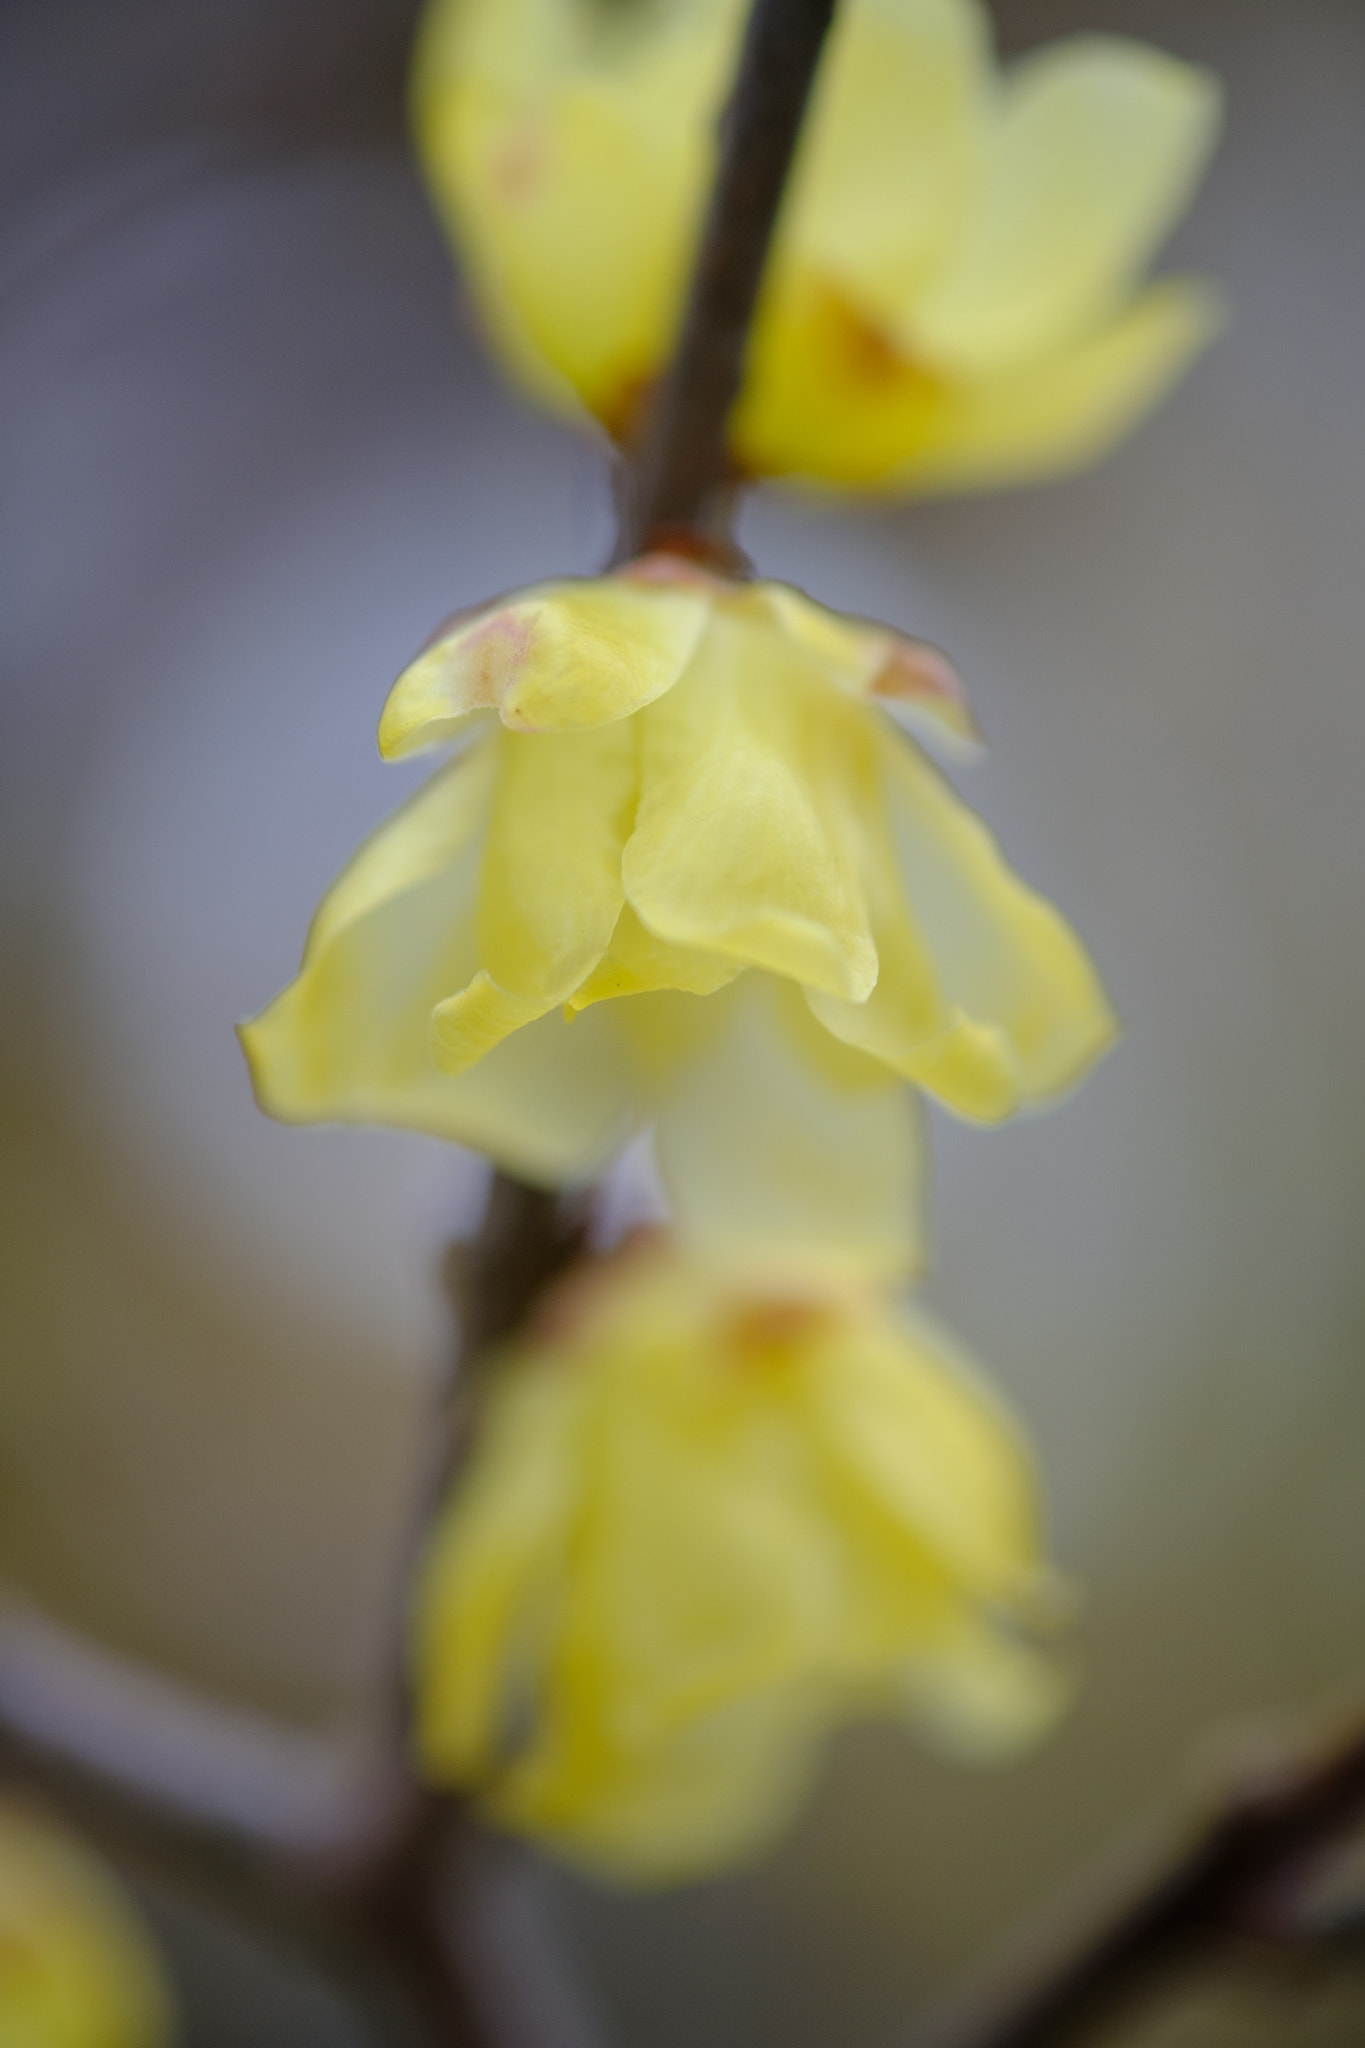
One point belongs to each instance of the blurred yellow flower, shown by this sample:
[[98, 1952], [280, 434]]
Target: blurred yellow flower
[[954, 300], [686, 870], [704, 1519], [76, 1971]]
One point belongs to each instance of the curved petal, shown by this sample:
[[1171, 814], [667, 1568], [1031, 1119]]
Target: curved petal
[[1032, 1014], [776, 1144], [986, 1695], [636, 963], [553, 659], [876, 662], [1067, 411], [922, 1454], [905, 1021], [348, 1040], [660, 1813], [436, 826], [550, 889], [753, 773], [491, 1574], [891, 147], [1099, 145], [835, 402], [569, 149]]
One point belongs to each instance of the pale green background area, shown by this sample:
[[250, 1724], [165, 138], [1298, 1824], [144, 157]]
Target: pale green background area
[[250, 455]]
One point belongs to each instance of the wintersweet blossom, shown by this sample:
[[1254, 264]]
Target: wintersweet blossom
[[705, 1518], [955, 296], [686, 869], [76, 1971]]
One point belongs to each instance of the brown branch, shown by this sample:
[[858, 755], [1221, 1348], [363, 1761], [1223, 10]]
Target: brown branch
[[680, 482], [1235, 1884], [344, 1912]]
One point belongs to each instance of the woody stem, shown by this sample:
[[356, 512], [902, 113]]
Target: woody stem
[[680, 479], [1238, 1881]]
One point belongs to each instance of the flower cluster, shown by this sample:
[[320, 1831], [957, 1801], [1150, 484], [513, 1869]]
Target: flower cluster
[[689, 868], [709, 1517], [954, 301], [686, 870]]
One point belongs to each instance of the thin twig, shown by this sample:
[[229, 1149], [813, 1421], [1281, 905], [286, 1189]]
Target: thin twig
[[1235, 1883], [680, 482]]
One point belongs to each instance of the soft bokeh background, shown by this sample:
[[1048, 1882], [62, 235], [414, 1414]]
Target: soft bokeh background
[[251, 452]]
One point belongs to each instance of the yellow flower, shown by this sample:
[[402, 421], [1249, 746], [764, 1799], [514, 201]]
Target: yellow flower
[[955, 298], [76, 1970], [704, 1518], [685, 870]]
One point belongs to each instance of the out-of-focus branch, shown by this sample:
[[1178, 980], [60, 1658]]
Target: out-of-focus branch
[[366, 1913], [1238, 1882], [679, 484]]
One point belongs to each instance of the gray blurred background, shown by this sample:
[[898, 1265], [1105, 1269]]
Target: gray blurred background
[[251, 452]]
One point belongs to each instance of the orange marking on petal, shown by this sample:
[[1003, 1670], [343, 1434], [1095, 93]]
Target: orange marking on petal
[[518, 166], [495, 655], [760, 1331], [916, 673]]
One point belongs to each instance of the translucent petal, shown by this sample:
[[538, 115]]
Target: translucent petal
[[722, 1790], [550, 889], [875, 662], [752, 777], [725, 1586], [987, 1695], [892, 146], [1067, 410], [570, 150], [1034, 1015], [348, 1040], [436, 826], [636, 963], [836, 402], [493, 1571], [1098, 147], [556, 658], [467, 1026], [925, 1456], [777, 1144]]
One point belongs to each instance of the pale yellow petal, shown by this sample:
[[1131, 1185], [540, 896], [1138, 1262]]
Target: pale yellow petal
[[77, 1967], [493, 1574], [985, 998], [636, 963], [889, 156], [570, 151], [1033, 1014], [550, 888], [438, 825], [753, 774], [923, 1453], [556, 658], [877, 663], [724, 1588], [777, 1144], [718, 1793], [834, 402], [1066, 411], [1098, 146], [349, 1040], [988, 1695], [466, 1027]]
